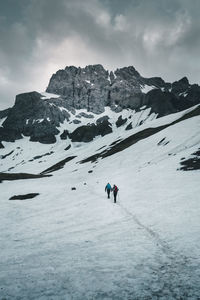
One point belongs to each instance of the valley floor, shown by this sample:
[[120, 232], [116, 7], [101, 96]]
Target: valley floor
[[80, 245]]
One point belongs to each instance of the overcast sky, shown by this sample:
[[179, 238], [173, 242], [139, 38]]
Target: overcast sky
[[38, 37]]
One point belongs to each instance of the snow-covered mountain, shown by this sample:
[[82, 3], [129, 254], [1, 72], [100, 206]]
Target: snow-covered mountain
[[66, 240], [38, 115]]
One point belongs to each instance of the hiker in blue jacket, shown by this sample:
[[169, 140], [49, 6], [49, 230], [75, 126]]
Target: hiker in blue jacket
[[108, 189]]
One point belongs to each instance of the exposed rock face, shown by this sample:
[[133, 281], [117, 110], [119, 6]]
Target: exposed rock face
[[42, 132], [103, 128], [64, 135], [84, 133], [157, 82], [9, 134], [92, 88], [82, 87], [129, 126], [162, 103], [88, 132], [76, 121], [180, 86], [34, 117], [125, 89], [121, 121], [4, 113], [102, 119], [82, 114]]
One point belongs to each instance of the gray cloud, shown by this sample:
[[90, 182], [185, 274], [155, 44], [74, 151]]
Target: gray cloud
[[37, 37]]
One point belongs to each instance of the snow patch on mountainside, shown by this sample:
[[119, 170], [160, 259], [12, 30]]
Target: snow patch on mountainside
[[147, 88], [46, 95], [2, 120]]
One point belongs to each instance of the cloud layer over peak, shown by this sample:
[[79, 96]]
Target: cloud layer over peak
[[38, 37]]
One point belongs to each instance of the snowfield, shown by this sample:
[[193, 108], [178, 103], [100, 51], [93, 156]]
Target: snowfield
[[76, 244]]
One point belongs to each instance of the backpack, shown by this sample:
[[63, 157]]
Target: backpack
[[115, 188]]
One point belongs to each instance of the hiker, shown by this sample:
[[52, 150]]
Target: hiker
[[115, 191], [108, 189]]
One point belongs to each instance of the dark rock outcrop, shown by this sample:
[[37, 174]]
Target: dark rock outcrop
[[24, 197], [76, 121], [34, 117], [44, 139], [157, 82], [162, 103], [20, 176], [103, 128], [41, 156], [64, 135], [120, 121], [43, 132], [4, 113], [180, 86], [192, 163], [87, 133], [9, 134], [129, 126], [68, 147], [6, 155], [102, 119], [59, 165], [87, 116]]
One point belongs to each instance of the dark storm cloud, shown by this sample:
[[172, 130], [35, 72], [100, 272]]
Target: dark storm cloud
[[37, 37]]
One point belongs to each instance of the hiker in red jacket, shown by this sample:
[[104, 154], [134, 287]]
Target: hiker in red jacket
[[115, 191]]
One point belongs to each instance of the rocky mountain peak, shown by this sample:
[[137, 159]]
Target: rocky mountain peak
[[71, 69], [184, 80], [27, 100], [127, 73], [92, 88], [180, 86]]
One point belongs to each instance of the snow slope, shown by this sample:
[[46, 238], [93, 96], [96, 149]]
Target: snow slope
[[22, 152], [77, 244]]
